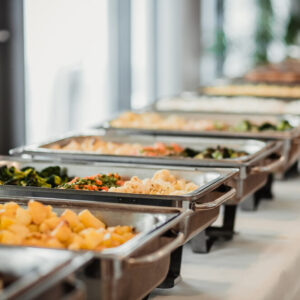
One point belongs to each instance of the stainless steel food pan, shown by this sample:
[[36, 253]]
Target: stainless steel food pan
[[231, 119], [290, 138], [253, 167], [116, 273], [207, 179], [255, 148], [25, 275], [193, 101]]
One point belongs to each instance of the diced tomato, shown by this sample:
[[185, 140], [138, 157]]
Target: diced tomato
[[176, 147], [148, 148], [104, 188]]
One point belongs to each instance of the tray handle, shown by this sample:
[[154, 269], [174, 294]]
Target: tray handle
[[160, 253], [217, 202], [165, 250], [271, 167]]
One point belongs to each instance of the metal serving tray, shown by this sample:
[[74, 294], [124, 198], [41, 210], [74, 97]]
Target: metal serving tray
[[209, 196], [193, 102], [116, 273], [206, 178], [25, 275], [290, 138], [251, 166]]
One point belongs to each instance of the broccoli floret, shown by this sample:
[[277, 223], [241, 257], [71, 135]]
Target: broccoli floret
[[283, 125], [188, 152], [245, 125], [54, 180], [266, 126], [5, 173], [49, 171]]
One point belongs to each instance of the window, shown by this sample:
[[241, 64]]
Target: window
[[66, 65]]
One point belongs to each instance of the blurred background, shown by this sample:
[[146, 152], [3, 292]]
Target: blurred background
[[70, 64]]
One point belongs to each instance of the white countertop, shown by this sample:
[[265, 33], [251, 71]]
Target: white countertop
[[262, 262]]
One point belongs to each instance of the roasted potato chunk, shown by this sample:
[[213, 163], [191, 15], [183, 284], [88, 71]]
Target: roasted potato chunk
[[39, 226]]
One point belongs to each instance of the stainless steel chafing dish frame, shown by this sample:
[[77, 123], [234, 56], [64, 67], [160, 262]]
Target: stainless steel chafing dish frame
[[289, 138], [221, 176], [191, 95], [121, 267], [41, 150], [251, 164], [209, 198]]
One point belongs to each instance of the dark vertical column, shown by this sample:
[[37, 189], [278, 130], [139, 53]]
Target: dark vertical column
[[12, 91], [191, 45], [120, 54]]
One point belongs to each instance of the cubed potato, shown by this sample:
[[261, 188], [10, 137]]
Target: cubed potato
[[62, 232], [53, 214], [53, 242], [10, 209], [19, 229], [10, 238], [92, 238], [38, 211], [52, 222], [49, 209], [7, 221], [44, 228], [23, 216], [71, 217], [89, 220], [76, 242], [78, 228], [33, 228], [34, 241]]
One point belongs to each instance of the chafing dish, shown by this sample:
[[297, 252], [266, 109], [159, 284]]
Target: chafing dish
[[207, 196], [25, 275], [191, 101], [116, 273], [253, 167], [285, 91], [290, 138]]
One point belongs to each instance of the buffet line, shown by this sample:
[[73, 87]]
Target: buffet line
[[107, 207]]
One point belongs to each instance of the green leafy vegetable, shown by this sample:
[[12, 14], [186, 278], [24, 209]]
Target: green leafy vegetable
[[28, 176]]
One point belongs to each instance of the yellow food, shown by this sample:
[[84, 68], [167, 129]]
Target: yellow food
[[39, 226]]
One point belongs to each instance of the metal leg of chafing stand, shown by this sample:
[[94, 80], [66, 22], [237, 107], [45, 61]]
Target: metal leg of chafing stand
[[203, 242], [293, 171], [251, 203], [173, 276]]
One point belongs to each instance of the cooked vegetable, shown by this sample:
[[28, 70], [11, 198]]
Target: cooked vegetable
[[151, 120], [246, 125], [40, 226], [219, 153], [28, 176], [99, 182]]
